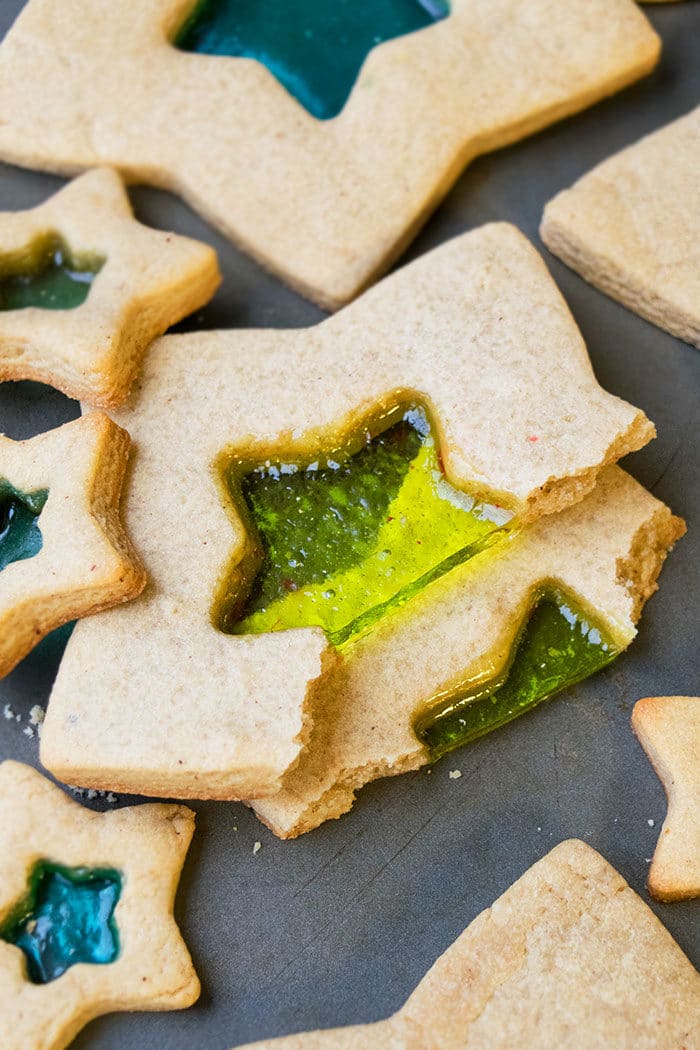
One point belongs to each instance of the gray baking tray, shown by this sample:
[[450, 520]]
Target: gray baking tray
[[338, 926]]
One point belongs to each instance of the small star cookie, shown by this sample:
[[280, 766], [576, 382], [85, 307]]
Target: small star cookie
[[63, 551], [668, 728], [85, 288], [568, 956], [222, 131], [86, 911], [631, 227], [477, 332]]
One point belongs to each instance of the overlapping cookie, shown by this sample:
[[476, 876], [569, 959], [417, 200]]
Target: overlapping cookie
[[63, 551], [227, 104], [468, 370], [631, 227], [86, 911], [84, 289], [568, 956], [668, 728]]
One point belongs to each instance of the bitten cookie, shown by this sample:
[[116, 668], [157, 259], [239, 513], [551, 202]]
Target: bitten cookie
[[85, 288], [569, 956], [632, 225], [475, 330], [63, 551], [668, 728], [86, 911], [225, 133]]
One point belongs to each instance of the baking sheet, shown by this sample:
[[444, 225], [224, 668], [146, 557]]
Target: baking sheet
[[337, 927]]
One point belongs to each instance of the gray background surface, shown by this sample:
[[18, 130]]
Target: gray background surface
[[338, 926]]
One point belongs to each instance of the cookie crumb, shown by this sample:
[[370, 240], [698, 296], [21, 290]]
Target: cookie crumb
[[28, 731], [235, 827], [8, 713], [651, 822], [257, 847], [36, 715], [455, 774]]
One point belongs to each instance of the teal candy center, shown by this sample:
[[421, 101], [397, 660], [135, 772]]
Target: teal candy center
[[20, 535], [558, 646], [47, 276], [315, 48], [66, 918]]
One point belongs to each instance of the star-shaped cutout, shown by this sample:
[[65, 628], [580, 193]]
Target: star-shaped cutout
[[140, 851], [478, 332], [568, 948], [226, 134], [668, 728], [138, 282], [70, 556]]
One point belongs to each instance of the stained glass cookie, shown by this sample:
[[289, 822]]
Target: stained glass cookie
[[86, 911], [64, 552], [85, 288], [631, 227], [568, 956], [668, 728], [473, 339], [243, 108]]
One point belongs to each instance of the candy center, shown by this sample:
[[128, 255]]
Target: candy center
[[314, 48], [47, 276], [66, 918], [20, 535]]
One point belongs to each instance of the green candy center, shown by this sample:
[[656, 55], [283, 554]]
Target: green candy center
[[338, 544], [342, 542], [66, 918], [558, 646], [315, 49], [20, 535], [47, 276]]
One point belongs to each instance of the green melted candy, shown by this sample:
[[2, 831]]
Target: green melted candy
[[47, 276], [315, 48], [558, 647], [340, 544], [66, 918], [20, 535]]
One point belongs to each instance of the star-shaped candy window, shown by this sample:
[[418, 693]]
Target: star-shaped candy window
[[86, 911], [668, 728], [85, 288], [326, 204], [475, 334], [315, 50], [66, 918], [63, 551]]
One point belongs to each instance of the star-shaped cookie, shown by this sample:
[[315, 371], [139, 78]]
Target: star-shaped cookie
[[568, 956], [668, 728], [631, 227], [63, 551], [326, 204], [138, 281], [138, 852], [476, 331]]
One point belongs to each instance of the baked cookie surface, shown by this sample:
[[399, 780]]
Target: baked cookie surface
[[631, 227], [64, 553], [568, 956], [85, 288], [668, 728], [227, 135], [86, 911], [478, 332]]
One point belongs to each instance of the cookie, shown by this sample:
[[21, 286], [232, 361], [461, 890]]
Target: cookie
[[668, 728], [63, 551], [228, 136], [476, 331], [86, 911], [84, 289], [464, 656], [629, 227], [568, 956]]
